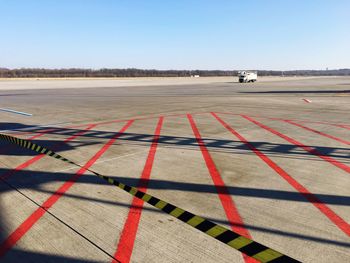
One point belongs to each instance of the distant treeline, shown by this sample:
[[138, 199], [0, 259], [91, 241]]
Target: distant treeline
[[133, 72]]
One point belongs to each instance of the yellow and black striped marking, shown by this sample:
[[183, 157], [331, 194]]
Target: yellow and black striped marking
[[230, 238]]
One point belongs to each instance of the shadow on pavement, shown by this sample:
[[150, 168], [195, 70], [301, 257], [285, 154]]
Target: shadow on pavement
[[219, 145]]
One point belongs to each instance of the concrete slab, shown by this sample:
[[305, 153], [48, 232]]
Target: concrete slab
[[272, 210]]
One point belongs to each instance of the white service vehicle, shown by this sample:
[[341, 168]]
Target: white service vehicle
[[247, 76]]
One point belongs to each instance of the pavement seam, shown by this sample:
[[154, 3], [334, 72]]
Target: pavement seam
[[329, 213], [226, 200], [128, 235], [16, 235]]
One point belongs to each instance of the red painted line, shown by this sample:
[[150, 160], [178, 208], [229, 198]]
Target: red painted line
[[337, 220], [128, 235], [40, 156], [16, 235], [146, 118], [232, 214], [280, 119], [309, 149], [318, 132], [40, 134], [307, 100], [344, 126], [15, 133], [114, 121], [140, 118]]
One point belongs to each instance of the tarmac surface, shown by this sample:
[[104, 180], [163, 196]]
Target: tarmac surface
[[274, 165]]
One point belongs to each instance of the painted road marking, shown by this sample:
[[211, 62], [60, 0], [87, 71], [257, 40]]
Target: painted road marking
[[128, 234], [16, 235], [318, 132], [16, 112], [309, 149], [337, 220], [227, 202]]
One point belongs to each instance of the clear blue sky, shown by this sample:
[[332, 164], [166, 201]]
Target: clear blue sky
[[175, 34]]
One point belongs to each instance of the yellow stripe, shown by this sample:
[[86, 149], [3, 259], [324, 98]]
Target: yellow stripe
[[146, 197], [267, 255], [239, 242], [161, 204], [264, 256], [177, 212], [133, 191], [216, 230], [195, 221]]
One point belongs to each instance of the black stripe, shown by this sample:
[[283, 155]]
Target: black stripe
[[168, 208], [252, 249], [284, 259], [185, 216], [105, 177], [140, 194], [114, 182], [227, 236], [45, 151], [127, 188], [153, 201], [205, 225]]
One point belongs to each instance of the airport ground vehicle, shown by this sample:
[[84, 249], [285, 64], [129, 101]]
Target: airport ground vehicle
[[247, 76]]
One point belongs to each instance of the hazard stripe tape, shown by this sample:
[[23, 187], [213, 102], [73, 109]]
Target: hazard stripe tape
[[230, 238]]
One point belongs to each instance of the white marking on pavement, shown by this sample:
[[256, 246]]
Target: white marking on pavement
[[16, 112]]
